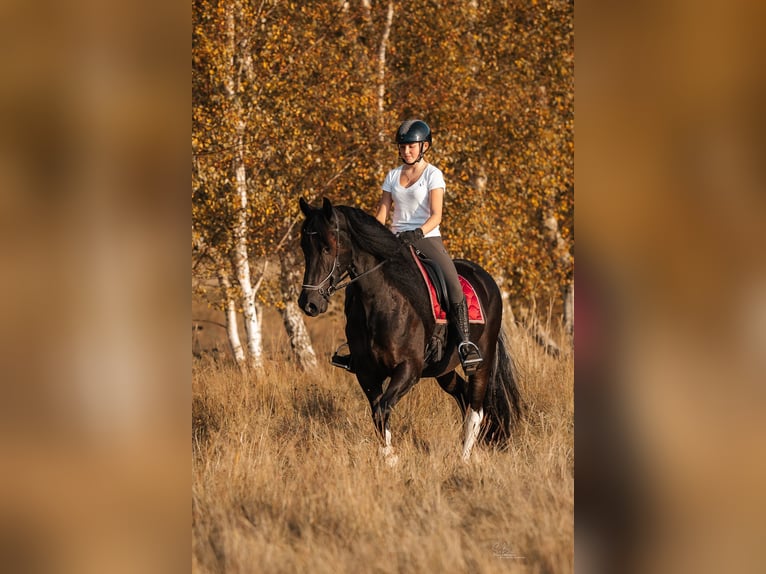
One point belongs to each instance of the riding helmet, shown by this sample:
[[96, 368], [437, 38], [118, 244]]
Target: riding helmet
[[412, 131]]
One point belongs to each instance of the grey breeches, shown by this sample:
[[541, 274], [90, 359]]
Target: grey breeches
[[434, 249]]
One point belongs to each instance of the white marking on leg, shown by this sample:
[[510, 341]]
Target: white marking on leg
[[471, 427], [387, 452]]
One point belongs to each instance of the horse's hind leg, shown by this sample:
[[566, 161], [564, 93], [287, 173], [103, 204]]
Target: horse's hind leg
[[474, 415], [456, 386], [469, 396], [470, 406], [471, 427]]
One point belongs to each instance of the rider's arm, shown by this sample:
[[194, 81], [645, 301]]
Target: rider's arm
[[436, 202], [384, 207]]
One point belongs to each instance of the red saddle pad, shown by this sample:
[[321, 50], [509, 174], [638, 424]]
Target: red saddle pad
[[475, 312]]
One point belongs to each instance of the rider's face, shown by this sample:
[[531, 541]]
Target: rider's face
[[409, 152]]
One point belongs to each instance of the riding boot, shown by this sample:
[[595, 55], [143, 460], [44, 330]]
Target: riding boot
[[470, 357], [342, 361]]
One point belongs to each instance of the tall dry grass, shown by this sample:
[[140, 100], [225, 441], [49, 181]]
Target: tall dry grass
[[287, 476]]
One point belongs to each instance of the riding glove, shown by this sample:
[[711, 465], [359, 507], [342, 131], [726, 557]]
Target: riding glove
[[412, 236]]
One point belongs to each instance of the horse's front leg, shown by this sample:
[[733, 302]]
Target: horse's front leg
[[372, 385], [403, 377]]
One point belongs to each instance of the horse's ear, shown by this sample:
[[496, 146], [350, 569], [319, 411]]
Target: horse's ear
[[305, 207], [327, 208]]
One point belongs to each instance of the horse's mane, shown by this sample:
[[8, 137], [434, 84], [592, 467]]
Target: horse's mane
[[370, 235], [374, 238]]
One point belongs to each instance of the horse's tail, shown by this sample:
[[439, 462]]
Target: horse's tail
[[503, 405]]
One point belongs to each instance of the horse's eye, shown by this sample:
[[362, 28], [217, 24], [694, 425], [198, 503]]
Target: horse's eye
[[325, 249]]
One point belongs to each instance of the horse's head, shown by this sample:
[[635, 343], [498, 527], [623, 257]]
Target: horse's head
[[323, 254]]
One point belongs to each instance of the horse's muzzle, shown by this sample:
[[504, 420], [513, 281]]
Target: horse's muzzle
[[312, 303]]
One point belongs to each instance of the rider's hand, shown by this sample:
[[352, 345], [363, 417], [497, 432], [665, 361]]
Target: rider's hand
[[411, 237]]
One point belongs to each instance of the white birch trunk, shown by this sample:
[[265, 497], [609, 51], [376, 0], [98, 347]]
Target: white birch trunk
[[242, 268], [569, 308], [564, 261], [383, 130], [230, 310], [509, 319], [222, 271], [300, 341], [537, 331], [382, 59], [240, 255]]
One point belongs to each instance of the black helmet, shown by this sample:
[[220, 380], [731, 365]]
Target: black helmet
[[413, 131]]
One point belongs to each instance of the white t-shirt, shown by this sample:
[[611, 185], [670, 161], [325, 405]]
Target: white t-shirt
[[412, 205]]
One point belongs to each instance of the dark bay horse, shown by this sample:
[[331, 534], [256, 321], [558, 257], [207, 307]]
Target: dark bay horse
[[389, 322]]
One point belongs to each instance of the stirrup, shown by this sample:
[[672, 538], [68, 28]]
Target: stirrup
[[342, 361], [470, 357]]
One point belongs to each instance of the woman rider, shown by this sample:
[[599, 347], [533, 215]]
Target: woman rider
[[413, 194]]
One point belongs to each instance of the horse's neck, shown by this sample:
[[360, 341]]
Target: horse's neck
[[363, 260], [376, 290]]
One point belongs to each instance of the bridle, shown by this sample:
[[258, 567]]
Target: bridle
[[350, 270]]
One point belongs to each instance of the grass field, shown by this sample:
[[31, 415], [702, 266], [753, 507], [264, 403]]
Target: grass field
[[287, 475]]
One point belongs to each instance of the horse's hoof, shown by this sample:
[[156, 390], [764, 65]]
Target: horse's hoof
[[387, 452]]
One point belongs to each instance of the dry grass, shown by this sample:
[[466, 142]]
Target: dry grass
[[287, 477]]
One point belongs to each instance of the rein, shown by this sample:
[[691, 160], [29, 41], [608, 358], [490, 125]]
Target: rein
[[356, 278]]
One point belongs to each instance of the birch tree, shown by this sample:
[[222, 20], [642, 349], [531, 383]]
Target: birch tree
[[224, 107]]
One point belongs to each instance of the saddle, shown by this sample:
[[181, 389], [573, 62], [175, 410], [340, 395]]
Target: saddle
[[437, 290], [437, 282]]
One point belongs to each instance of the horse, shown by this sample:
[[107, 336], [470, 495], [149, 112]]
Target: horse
[[389, 324]]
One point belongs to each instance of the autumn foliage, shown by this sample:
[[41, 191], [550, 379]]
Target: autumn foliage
[[310, 95]]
